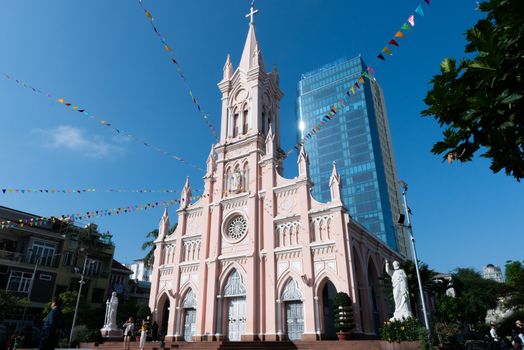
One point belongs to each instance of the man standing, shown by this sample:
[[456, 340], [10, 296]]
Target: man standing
[[52, 326]]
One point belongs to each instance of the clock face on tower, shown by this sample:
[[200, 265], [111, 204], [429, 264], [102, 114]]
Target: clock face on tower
[[235, 229]]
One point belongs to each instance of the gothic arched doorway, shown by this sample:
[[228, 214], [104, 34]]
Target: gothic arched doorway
[[235, 301], [374, 290], [189, 315], [165, 316], [328, 294], [294, 310]]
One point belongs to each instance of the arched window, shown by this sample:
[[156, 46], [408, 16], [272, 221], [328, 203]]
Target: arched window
[[235, 125], [246, 124]]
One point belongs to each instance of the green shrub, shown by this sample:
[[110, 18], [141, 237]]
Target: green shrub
[[398, 331], [343, 311]]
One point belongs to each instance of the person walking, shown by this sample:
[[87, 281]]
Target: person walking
[[129, 328], [154, 331], [143, 334], [52, 326]]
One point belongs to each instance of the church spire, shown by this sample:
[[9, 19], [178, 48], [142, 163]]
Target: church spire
[[228, 68], [251, 56], [334, 184], [185, 198], [163, 227]]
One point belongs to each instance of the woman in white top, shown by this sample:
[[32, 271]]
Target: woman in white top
[[143, 334], [129, 328]]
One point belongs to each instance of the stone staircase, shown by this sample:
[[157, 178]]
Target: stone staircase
[[268, 345]]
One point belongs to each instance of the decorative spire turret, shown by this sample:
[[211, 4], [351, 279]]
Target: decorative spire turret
[[270, 141], [334, 184], [303, 163], [211, 162], [163, 226], [185, 198], [228, 68]]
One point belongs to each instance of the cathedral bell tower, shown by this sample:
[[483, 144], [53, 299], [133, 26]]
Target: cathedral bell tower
[[250, 109]]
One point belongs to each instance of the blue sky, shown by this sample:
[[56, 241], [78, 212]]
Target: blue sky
[[104, 56]]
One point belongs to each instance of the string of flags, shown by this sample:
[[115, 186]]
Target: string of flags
[[169, 51], [79, 191], [103, 122], [86, 215], [358, 84]]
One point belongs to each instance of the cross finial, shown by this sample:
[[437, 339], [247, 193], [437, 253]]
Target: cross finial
[[252, 12]]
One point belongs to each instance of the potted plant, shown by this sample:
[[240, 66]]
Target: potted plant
[[343, 311]]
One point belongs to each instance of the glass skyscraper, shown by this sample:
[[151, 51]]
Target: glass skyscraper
[[359, 141]]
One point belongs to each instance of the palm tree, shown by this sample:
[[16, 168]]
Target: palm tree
[[149, 245]]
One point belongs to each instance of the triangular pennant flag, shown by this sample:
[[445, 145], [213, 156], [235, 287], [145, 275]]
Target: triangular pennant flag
[[399, 35], [3, 190], [174, 61], [411, 20], [381, 57], [361, 79], [405, 26], [393, 42], [427, 2], [167, 48], [371, 70], [148, 14], [61, 100], [387, 50], [419, 10], [353, 90]]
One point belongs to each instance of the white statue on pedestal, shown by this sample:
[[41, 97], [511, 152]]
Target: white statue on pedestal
[[110, 327], [399, 279]]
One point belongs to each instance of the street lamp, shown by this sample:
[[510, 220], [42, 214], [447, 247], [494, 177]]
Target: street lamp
[[78, 297], [401, 221]]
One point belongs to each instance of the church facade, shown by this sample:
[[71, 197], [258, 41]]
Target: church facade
[[257, 258]]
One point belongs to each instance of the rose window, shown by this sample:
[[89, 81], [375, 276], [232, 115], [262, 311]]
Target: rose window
[[237, 228]]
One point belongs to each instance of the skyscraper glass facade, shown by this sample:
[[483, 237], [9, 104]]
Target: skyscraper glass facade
[[358, 140]]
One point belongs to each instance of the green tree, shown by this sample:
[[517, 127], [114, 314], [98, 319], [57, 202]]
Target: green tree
[[149, 245], [480, 100], [68, 308], [475, 294], [514, 284], [449, 310], [143, 313], [8, 304]]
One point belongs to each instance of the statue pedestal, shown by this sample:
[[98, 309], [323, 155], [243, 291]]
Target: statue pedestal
[[112, 333]]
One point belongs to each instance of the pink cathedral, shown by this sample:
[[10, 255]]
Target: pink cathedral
[[259, 258]]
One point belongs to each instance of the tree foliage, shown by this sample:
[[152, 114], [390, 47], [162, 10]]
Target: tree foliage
[[480, 100], [514, 284], [149, 245], [8, 304], [475, 294]]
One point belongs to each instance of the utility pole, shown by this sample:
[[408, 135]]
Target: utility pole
[[78, 299], [408, 217]]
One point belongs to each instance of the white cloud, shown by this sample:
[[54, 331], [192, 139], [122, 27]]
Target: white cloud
[[74, 139]]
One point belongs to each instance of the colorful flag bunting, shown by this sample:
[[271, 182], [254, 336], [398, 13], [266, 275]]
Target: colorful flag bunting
[[411, 20], [419, 11], [179, 70], [399, 35], [93, 117], [381, 57], [387, 50], [393, 42]]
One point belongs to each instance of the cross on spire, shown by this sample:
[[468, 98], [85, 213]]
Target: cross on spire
[[252, 12]]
